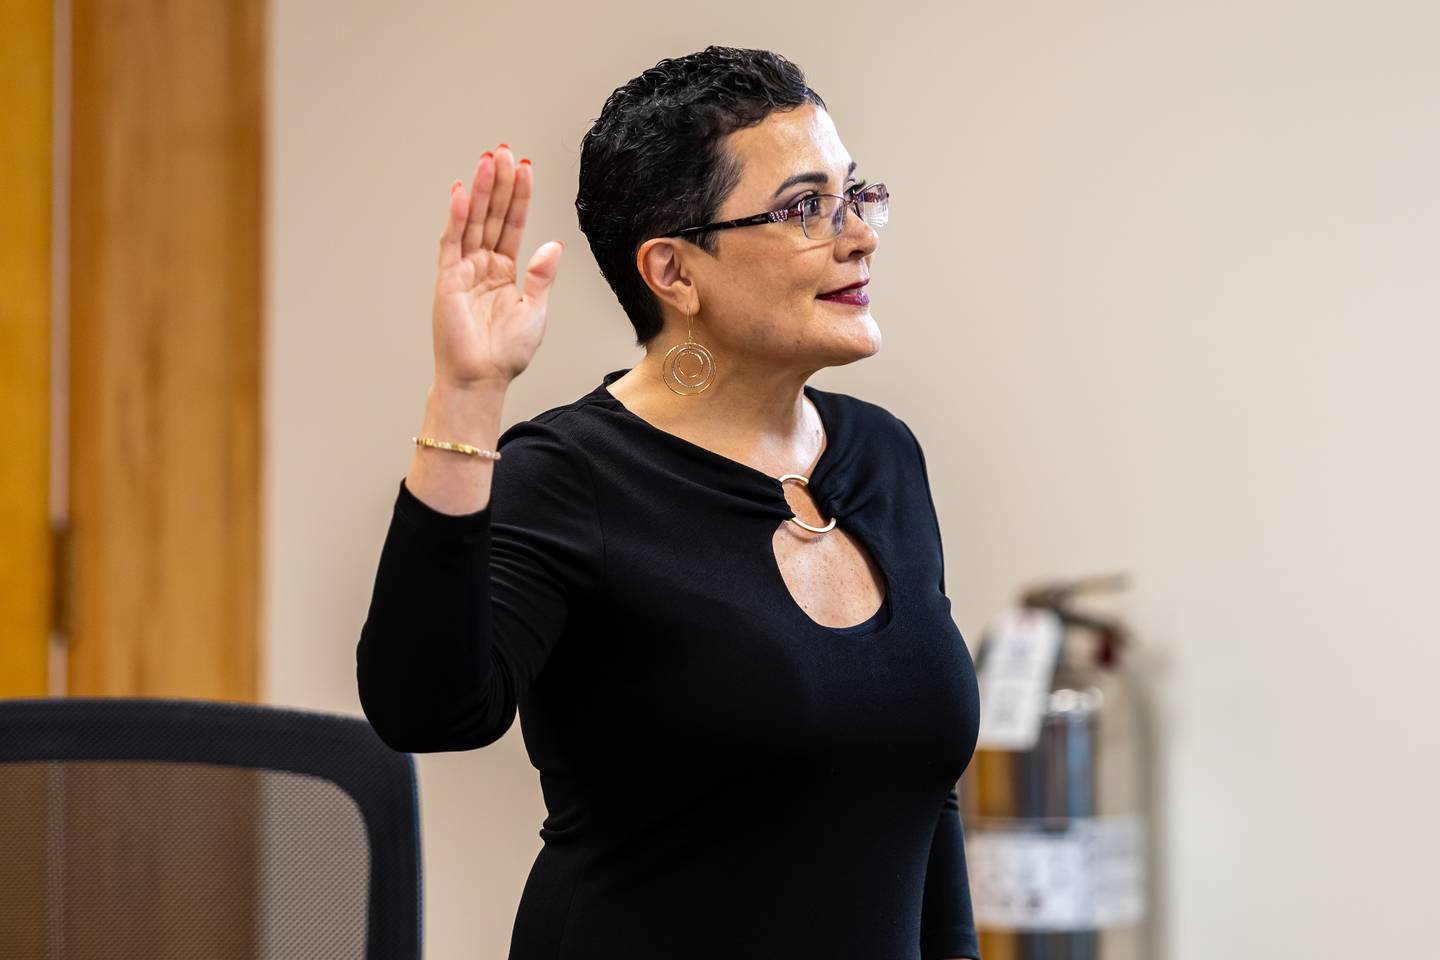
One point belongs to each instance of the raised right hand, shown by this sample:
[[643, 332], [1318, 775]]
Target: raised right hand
[[485, 330]]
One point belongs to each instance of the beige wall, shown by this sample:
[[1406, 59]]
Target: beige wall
[[1158, 294]]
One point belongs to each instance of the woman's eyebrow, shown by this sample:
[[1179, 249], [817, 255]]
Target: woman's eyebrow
[[814, 176]]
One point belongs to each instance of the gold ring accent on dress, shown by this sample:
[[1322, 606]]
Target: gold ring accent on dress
[[796, 520]]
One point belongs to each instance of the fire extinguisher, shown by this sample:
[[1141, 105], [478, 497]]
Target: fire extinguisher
[[1055, 803]]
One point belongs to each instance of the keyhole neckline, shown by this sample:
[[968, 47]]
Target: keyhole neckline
[[735, 476]]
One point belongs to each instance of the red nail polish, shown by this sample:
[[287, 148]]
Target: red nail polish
[[504, 145], [487, 153], [524, 159]]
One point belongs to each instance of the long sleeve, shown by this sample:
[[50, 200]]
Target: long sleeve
[[947, 926], [466, 609]]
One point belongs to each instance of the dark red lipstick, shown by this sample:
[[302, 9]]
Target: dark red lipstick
[[854, 294]]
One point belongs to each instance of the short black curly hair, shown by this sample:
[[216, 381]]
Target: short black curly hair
[[653, 161]]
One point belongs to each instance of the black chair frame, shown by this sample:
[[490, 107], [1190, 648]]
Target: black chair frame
[[343, 750]]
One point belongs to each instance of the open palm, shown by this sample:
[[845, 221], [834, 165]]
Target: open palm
[[485, 330]]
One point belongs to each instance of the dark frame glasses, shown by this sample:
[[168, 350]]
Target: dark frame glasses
[[821, 212]]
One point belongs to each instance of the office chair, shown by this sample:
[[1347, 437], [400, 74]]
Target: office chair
[[155, 828]]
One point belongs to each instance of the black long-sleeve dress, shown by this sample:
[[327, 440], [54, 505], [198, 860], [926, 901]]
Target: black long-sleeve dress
[[724, 777]]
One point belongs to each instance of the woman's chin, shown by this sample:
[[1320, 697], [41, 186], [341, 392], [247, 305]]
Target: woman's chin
[[856, 337]]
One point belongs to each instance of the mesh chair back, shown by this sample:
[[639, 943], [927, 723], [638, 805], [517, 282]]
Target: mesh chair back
[[157, 829]]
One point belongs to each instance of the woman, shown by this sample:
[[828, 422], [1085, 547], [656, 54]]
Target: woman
[[743, 691]]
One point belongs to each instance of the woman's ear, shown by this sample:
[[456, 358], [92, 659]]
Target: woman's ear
[[659, 261]]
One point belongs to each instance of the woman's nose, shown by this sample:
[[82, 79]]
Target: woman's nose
[[862, 235]]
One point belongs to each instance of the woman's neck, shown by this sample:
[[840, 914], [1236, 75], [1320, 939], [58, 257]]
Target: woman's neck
[[759, 418]]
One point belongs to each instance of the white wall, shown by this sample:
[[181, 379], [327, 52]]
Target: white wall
[[1157, 295]]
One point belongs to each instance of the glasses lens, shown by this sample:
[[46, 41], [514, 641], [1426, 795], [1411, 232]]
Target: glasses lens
[[824, 217], [815, 216], [875, 205]]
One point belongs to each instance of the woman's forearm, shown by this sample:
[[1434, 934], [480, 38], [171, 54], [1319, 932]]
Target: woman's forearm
[[452, 482]]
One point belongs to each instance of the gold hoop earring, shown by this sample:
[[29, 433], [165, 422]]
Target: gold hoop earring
[[689, 368]]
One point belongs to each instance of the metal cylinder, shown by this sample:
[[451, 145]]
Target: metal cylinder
[[1057, 836]]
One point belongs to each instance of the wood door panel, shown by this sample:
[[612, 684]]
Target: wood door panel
[[165, 293], [26, 69]]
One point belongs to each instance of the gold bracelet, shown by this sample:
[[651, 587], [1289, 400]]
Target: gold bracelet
[[464, 448]]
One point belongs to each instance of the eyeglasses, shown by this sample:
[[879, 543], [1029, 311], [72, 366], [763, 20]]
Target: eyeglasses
[[822, 215]]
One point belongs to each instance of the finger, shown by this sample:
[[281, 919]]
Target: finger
[[454, 226], [480, 189], [500, 195], [508, 244], [540, 273]]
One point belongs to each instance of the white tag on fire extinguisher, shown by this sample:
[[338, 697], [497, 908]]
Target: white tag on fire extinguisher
[[1015, 676]]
